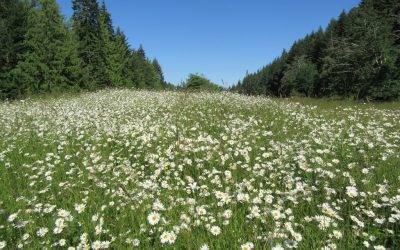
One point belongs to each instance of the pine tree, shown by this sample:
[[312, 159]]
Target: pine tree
[[116, 51], [87, 26], [13, 21], [144, 73], [357, 56], [50, 62], [106, 20], [141, 53], [157, 67], [117, 61]]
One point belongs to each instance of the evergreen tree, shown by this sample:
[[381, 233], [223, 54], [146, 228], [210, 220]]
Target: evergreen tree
[[141, 53], [39, 52], [116, 51], [13, 22], [157, 67], [106, 20], [144, 74], [357, 56], [87, 26], [50, 61]]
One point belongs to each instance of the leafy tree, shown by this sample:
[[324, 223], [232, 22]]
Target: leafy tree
[[300, 77], [196, 82]]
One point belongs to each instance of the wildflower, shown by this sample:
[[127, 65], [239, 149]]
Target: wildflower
[[80, 208], [168, 237], [227, 213], [215, 230], [63, 213], [12, 217], [96, 245], [204, 247], [276, 214], [247, 246], [153, 218], [278, 247], [135, 242], [351, 191], [337, 234], [62, 242], [59, 226], [42, 232]]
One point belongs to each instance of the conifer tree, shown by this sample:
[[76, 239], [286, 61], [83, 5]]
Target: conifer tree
[[157, 67], [87, 26], [106, 20], [357, 56], [116, 51], [50, 61], [141, 53], [144, 75], [13, 21]]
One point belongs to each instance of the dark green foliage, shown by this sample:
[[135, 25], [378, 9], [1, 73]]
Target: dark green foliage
[[196, 82], [50, 62], [87, 27], [13, 20], [115, 52], [40, 52], [357, 56], [144, 73], [157, 67], [300, 77]]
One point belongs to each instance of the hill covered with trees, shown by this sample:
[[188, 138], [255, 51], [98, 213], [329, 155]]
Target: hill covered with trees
[[42, 52], [356, 56]]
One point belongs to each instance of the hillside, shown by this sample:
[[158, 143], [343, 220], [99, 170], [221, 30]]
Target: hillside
[[357, 56], [129, 169], [41, 52]]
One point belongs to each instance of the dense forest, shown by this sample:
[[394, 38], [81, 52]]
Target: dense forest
[[356, 56], [42, 52]]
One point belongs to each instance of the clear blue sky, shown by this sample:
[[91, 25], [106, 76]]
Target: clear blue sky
[[221, 39]]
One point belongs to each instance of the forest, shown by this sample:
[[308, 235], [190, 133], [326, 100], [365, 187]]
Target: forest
[[357, 57], [42, 52]]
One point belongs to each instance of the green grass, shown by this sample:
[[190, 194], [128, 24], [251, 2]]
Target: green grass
[[280, 168]]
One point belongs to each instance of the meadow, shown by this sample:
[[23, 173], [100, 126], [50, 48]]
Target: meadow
[[125, 169]]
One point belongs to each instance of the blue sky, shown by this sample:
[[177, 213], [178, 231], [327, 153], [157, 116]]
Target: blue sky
[[221, 39]]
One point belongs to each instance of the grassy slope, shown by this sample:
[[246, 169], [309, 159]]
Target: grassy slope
[[120, 153]]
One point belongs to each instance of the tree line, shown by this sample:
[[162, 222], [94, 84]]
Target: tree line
[[356, 56], [42, 52]]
